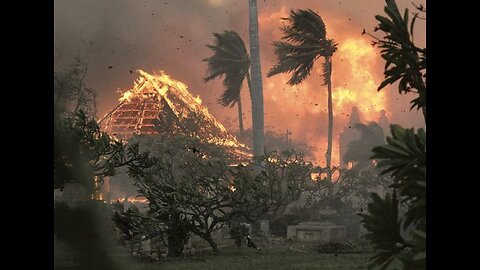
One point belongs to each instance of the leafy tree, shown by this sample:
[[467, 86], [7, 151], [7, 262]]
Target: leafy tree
[[368, 181], [69, 88], [278, 142], [133, 226], [405, 158], [397, 236], [341, 186], [347, 194], [283, 178], [305, 40], [187, 188], [404, 61], [231, 60], [206, 193], [82, 151]]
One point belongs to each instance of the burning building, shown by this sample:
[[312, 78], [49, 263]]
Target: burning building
[[158, 104]]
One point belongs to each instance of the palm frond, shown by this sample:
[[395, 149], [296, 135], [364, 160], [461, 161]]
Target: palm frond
[[230, 60], [304, 41], [308, 21], [233, 85], [290, 34]]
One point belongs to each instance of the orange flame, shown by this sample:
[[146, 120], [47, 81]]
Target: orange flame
[[302, 109], [130, 200], [362, 90], [354, 84]]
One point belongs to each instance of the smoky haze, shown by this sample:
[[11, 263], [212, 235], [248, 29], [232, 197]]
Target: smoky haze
[[117, 37]]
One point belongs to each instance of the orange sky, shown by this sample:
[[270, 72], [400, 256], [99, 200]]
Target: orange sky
[[171, 35]]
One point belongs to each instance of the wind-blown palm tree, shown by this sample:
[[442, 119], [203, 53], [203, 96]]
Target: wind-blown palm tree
[[305, 41], [230, 59], [256, 87]]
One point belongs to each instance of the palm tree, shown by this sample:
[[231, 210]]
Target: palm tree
[[256, 86], [230, 59], [305, 40]]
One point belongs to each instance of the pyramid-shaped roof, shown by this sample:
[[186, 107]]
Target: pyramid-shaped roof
[[158, 104]]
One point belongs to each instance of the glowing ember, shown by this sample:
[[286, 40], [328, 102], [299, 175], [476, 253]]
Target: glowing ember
[[131, 200], [314, 176]]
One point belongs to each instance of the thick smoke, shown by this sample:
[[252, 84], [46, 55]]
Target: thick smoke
[[116, 37]]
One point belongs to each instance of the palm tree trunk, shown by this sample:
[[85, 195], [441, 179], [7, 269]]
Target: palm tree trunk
[[249, 83], [328, 154], [240, 114], [257, 88]]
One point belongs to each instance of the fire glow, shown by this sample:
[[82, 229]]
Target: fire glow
[[131, 200], [302, 108], [361, 89]]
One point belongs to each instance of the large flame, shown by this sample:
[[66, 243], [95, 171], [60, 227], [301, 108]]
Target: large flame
[[361, 90]]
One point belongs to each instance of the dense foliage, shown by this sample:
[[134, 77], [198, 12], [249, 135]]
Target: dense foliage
[[397, 235], [70, 93], [230, 60], [194, 186], [305, 40], [82, 151], [404, 61], [396, 224]]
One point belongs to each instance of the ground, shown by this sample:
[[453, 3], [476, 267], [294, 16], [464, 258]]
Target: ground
[[279, 257]]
